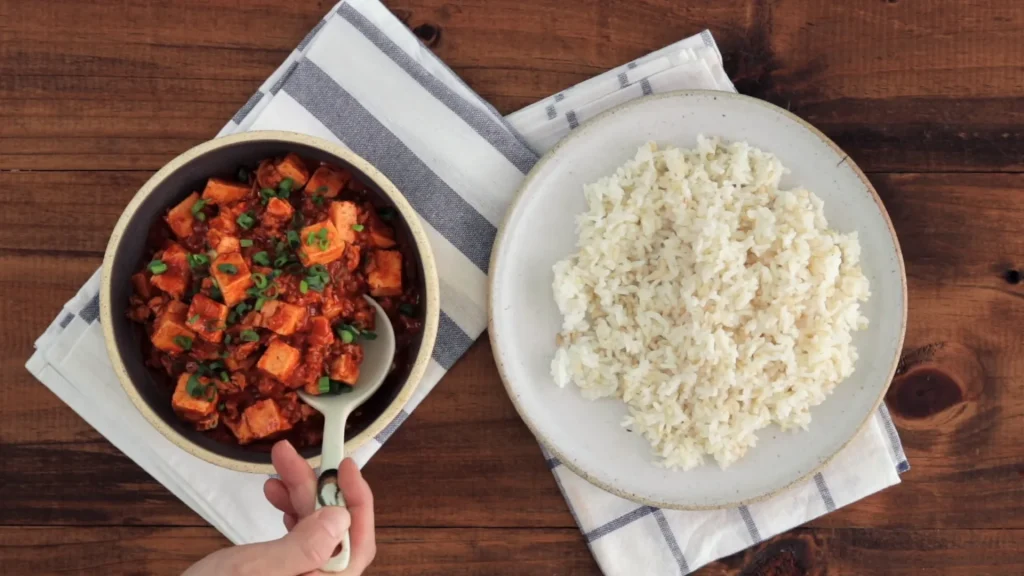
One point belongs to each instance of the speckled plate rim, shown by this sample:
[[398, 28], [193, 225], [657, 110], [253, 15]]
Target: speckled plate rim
[[431, 296], [496, 263]]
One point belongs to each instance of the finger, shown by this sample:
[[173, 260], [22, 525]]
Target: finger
[[290, 520], [307, 547], [297, 477], [359, 500], [277, 494]]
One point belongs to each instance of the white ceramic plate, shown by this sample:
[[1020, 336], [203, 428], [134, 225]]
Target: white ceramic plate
[[539, 230]]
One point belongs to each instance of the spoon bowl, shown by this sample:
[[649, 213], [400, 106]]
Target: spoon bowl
[[378, 359]]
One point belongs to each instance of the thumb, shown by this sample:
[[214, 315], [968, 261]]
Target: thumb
[[307, 547]]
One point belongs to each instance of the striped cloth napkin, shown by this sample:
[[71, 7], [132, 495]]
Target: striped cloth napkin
[[362, 79]]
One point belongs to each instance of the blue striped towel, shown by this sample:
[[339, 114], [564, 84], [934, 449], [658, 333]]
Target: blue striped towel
[[362, 79]]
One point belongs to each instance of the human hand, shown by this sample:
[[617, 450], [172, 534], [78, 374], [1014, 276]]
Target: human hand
[[313, 534]]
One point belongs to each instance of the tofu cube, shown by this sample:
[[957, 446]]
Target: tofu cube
[[208, 318], [180, 218], [345, 368], [279, 210], [381, 235], [267, 175], [344, 215], [279, 361], [224, 222], [226, 244], [320, 333], [240, 428], [291, 166], [265, 419], [220, 191], [384, 273], [171, 324], [232, 276], [282, 317], [194, 408], [327, 181], [321, 244], [176, 279]]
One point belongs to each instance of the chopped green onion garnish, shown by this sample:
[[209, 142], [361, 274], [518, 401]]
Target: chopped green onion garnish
[[157, 267], [347, 333], [280, 261], [198, 260], [224, 377], [198, 206], [227, 268], [323, 385], [194, 387], [293, 239], [260, 302], [243, 174], [368, 335], [303, 286], [286, 185], [184, 342], [261, 258], [201, 216], [193, 319], [321, 190], [245, 243], [227, 340], [358, 227], [323, 244], [221, 407], [259, 280], [406, 309], [318, 200], [242, 308], [246, 220], [266, 194], [249, 336]]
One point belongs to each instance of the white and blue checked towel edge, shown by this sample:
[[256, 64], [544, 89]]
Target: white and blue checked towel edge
[[360, 77]]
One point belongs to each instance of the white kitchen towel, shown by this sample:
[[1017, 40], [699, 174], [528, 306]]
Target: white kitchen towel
[[362, 79]]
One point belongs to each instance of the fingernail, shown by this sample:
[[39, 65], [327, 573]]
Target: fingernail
[[335, 520]]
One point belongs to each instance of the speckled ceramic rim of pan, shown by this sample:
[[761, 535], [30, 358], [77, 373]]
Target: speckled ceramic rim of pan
[[582, 132], [431, 297]]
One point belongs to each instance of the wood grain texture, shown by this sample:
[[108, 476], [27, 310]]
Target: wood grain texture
[[96, 94], [901, 85]]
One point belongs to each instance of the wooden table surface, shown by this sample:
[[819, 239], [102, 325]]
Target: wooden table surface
[[95, 95]]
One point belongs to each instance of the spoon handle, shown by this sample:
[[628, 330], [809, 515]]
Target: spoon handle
[[328, 491]]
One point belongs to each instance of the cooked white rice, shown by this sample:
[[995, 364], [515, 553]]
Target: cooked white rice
[[707, 299]]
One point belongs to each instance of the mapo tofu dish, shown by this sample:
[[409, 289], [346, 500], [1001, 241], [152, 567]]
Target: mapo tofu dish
[[254, 288]]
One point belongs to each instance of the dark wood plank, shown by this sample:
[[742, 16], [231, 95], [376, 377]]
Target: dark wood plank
[[465, 552], [401, 551], [98, 85]]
